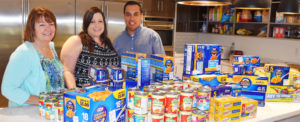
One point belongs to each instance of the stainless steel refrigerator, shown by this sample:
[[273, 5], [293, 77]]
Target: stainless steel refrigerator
[[69, 13]]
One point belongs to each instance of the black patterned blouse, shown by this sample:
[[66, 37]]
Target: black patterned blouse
[[101, 57]]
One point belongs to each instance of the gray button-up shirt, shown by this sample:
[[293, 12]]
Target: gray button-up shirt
[[144, 40]]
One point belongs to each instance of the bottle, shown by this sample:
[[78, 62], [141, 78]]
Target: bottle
[[258, 16]]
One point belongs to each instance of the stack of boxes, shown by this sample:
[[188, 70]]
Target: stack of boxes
[[224, 109], [201, 59]]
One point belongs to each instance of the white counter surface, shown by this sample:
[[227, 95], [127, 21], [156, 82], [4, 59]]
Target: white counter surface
[[271, 112]]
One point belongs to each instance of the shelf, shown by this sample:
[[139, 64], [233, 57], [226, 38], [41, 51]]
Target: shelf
[[296, 24], [198, 21], [220, 22], [262, 23]]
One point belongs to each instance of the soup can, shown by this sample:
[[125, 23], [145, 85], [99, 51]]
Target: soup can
[[203, 100], [178, 84], [157, 85], [168, 84], [59, 112], [42, 105], [185, 116], [158, 103], [150, 91], [140, 117], [172, 105], [130, 97], [49, 104], [157, 118], [171, 117], [186, 100], [140, 103], [130, 115]]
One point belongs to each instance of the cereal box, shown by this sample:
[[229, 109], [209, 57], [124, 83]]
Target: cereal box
[[211, 80], [95, 103], [249, 108], [280, 94], [201, 59], [129, 62], [162, 68]]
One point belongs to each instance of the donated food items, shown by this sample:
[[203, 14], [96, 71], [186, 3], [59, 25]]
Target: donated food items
[[245, 65], [107, 76], [129, 62], [278, 74], [201, 59], [162, 68], [95, 103]]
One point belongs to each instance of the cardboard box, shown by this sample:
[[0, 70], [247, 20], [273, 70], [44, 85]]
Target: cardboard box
[[211, 80], [249, 108], [162, 68], [129, 62], [95, 103], [280, 94], [251, 83]]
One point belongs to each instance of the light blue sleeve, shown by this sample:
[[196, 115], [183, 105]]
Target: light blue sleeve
[[157, 44], [16, 72]]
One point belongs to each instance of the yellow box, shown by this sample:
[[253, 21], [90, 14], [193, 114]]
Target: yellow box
[[249, 108]]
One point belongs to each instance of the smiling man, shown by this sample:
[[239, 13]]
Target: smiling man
[[136, 38]]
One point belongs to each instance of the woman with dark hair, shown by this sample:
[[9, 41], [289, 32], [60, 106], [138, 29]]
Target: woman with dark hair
[[34, 66], [91, 47]]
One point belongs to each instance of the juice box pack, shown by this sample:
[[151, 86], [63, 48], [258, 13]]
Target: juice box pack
[[162, 68], [201, 59], [280, 94], [95, 104], [212, 80], [278, 74], [129, 62]]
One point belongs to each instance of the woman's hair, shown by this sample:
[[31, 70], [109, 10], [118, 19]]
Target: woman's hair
[[34, 16], [86, 39]]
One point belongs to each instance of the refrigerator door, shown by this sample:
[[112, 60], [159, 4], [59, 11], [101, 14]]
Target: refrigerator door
[[64, 12], [115, 17], [10, 33], [81, 7]]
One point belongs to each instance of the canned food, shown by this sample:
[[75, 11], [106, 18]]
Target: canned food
[[158, 103], [195, 94], [196, 85], [186, 100], [187, 84], [60, 99], [157, 85], [42, 105], [168, 84], [49, 104], [43, 94], [130, 115], [157, 117], [59, 112], [185, 116], [165, 89], [148, 87], [178, 89], [199, 116], [149, 91], [172, 105], [130, 97], [178, 84], [140, 102], [140, 117], [170, 117], [203, 100]]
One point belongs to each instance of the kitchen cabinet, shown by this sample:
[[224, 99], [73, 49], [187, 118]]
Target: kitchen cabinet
[[198, 19], [159, 8]]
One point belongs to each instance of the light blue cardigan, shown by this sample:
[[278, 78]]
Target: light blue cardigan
[[23, 75]]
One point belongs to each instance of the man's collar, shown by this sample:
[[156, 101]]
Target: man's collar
[[135, 31]]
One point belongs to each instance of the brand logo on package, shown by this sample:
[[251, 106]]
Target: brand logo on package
[[245, 82]]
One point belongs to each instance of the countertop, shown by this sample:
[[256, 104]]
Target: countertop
[[271, 112]]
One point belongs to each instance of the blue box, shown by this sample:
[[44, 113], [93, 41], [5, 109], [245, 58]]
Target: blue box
[[201, 59], [246, 60], [211, 80], [129, 62], [162, 68], [95, 103], [143, 72], [251, 83], [259, 96]]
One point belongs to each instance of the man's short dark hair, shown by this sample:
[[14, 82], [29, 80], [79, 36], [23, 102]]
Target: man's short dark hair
[[132, 3]]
